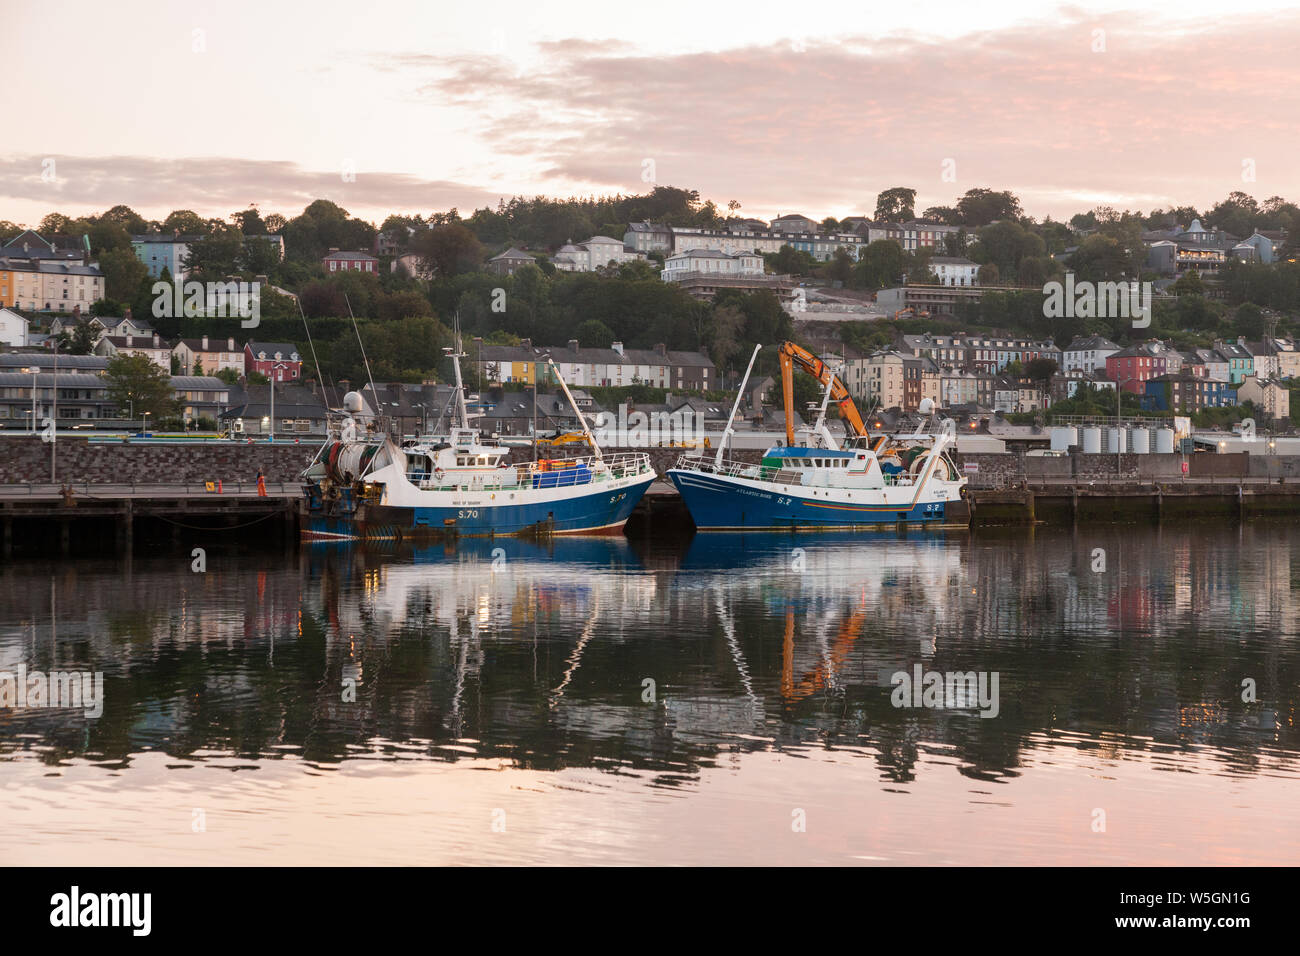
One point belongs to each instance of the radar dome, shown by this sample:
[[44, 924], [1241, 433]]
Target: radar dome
[[352, 402], [926, 407]]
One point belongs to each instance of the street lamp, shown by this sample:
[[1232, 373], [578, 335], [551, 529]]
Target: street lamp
[[144, 426], [35, 371], [1120, 381]]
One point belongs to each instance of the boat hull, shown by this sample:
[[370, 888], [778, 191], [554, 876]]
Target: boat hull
[[718, 502], [591, 510]]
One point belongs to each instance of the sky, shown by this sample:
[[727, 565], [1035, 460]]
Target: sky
[[419, 107]]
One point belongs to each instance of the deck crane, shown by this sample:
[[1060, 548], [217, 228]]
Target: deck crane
[[791, 355]]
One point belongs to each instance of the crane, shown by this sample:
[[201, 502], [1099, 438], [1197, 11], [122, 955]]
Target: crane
[[791, 355]]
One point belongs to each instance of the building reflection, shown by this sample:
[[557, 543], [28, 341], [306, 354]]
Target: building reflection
[[590, 652]]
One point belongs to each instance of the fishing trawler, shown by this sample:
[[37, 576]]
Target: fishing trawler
[[461, 483], [818, 484]]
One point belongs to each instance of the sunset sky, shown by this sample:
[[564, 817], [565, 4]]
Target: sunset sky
[[215, 106]]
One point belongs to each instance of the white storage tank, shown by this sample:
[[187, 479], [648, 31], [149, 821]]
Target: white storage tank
[[1164, 441], [1118, 441], [1092, 441], [1141, 439], [1063, 438]]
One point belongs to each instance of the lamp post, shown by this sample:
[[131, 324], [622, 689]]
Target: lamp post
[[35, 371], [54, 412], [1119, 393]]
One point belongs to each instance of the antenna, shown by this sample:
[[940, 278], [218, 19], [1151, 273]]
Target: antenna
[[366, 361], [310, 343]]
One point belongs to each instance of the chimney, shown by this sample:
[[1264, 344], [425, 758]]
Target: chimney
[[128, 340], [661, 348], [127, 315], [526, 343], [156, 343], [230, 345], [205, 343], [617, 347], [573, 345]]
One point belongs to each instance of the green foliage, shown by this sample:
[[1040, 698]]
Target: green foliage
[[982, 206], [880, 266], [790, 261], [896, 204], [133, 380]]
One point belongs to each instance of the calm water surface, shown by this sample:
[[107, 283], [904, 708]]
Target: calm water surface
[[721, 699]]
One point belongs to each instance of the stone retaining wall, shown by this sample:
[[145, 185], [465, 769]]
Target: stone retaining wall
[[28, 460]]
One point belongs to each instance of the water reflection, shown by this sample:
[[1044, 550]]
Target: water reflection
[[656, 665]]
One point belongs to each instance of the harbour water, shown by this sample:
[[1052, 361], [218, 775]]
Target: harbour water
[[722, 698]]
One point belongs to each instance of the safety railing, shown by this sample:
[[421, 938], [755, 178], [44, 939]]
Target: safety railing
[[547, 473]]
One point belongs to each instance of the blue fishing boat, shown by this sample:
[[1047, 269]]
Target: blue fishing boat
[[462, 484], [891, 480]]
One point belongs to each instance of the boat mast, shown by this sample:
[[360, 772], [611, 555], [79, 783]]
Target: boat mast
[[740, 392], [460, 386], [574, 405], [820, 427]]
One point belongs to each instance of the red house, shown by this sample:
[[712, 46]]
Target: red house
[[343, 261], [278, 361], [1130, 368]]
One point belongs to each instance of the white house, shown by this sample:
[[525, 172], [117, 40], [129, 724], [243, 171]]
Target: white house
[[712, 261], [13, 328], [954, 270], [1088, 354], [595, 253]]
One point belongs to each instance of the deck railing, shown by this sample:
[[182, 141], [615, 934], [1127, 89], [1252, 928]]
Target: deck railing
[[771, 473], [555, 473]]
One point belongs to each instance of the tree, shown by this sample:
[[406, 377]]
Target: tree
[[1249, 321], [725, 336], [1102, 258], [186, 222], [896, 204], [217, 255], [123, 273], [448, 250], [1006, 244], [80, 341], [127, 218], [981, 206], [249, 221], [595, 333], [1189, 283], [134, 381], [54, 224], [790, 261], [1041, 370], [880, 266]]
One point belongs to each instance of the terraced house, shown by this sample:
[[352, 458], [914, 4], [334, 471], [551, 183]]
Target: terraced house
[[659, 367]]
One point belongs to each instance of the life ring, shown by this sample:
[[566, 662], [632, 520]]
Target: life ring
[[437, 474]]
